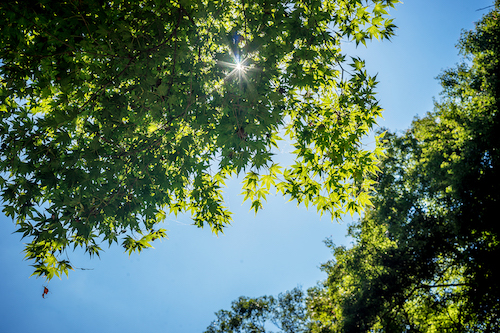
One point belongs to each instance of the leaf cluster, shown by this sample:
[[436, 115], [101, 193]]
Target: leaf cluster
[[287, 312], [114, 114], [425, 256]]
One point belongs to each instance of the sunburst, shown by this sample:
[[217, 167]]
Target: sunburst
[[239, 68]]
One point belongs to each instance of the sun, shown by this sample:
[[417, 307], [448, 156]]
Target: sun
[[239, 66]]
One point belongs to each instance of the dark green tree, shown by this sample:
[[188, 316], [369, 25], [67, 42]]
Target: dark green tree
[[287, 312], [114, 114], [425, 257]]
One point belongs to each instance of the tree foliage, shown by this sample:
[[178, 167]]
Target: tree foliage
[[115, 114], [287, 312], [426, 256]]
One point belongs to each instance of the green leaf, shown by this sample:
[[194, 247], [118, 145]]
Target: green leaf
[[105, 131]]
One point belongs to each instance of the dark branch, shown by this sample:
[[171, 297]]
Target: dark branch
[[484, 8]]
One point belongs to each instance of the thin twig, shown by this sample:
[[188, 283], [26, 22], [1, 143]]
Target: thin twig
[[484, 8]]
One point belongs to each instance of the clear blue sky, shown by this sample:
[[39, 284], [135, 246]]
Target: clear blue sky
[[179, 285]]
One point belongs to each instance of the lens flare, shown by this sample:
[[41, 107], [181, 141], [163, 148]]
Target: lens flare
[[239, 68]]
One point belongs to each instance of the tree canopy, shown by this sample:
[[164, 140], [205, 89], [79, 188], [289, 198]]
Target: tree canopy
[[115, 114], [287, 312], [425, 256]]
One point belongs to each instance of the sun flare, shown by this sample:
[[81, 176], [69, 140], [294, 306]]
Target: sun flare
[[237, 68]]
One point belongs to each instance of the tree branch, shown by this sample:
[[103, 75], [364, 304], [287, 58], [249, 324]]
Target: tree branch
[[442, 285]]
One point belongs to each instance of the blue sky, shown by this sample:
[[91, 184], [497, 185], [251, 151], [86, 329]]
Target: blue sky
[[179, 285]]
